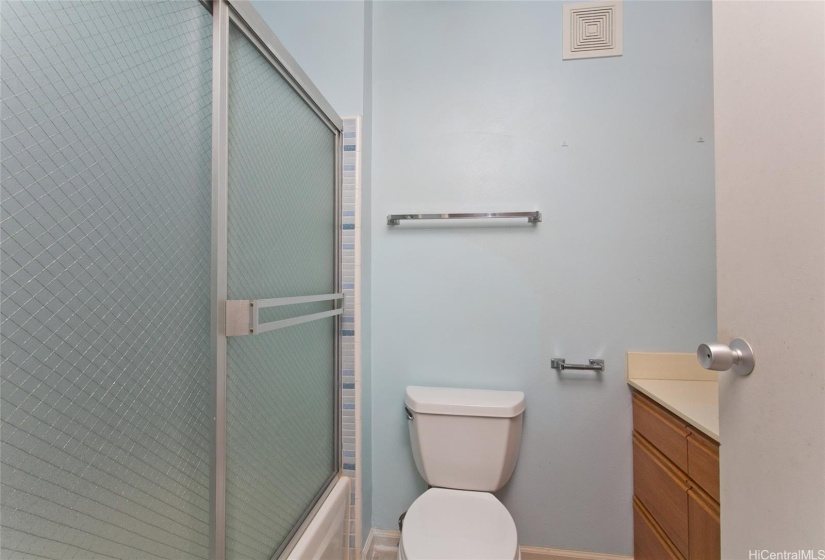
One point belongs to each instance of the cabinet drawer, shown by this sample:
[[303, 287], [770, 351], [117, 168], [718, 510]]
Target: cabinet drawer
[[703, 463], [648, 541], [662, 489], [703, 517], [662, 429]]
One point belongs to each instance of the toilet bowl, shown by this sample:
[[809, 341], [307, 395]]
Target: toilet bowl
[[445, 524], [465, 444]]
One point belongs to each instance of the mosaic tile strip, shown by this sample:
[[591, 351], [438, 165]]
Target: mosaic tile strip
[[351, 326]]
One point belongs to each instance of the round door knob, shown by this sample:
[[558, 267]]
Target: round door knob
[[719, 357]]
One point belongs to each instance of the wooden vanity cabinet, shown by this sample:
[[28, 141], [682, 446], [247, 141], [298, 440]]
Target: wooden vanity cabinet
[[675, 486]]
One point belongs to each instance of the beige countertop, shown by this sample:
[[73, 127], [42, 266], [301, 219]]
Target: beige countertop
[[679, 384]]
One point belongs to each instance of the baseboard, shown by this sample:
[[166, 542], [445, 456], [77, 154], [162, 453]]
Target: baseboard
[[536, 553], [367, 548], [379, 539]]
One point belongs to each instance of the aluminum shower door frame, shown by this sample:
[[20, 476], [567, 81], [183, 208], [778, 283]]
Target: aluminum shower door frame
[[246, 18]]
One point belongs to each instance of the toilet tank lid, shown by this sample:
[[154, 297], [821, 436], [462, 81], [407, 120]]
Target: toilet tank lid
[[464, 402]]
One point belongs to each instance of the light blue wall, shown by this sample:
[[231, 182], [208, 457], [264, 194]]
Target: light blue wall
[[366, 278], [471, 105], [326, 38]]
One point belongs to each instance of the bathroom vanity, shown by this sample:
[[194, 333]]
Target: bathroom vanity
[[675, 458]]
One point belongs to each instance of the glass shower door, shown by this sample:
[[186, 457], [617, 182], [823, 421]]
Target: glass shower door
[[104, 279], [281, 416], [112, 297]]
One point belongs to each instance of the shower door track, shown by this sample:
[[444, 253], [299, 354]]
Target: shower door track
[[246, 18]]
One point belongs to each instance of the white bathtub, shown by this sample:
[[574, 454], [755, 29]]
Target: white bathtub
[[324, 536]]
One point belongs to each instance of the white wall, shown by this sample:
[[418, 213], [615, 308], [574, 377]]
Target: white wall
[[770, 170], [471, 104]]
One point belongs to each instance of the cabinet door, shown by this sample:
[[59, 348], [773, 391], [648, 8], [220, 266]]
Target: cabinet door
[[662, 489], [649, 543], [703, 463], [666, 432], [703, 519]]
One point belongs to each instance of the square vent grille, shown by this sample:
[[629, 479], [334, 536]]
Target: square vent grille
[[592, 29]]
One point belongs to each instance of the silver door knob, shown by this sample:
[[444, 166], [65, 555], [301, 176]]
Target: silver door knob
[[719, 357]]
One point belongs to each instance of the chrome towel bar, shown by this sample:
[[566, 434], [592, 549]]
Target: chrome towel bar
[[592, 365], [242, 315], [532, 217]]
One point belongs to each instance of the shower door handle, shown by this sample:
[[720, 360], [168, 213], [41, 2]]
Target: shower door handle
[[242, 315]]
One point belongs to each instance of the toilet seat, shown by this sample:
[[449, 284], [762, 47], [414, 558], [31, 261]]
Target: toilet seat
[[444, 524]]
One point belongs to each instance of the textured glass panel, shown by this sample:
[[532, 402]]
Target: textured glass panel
[[105, 279], [280, 385]]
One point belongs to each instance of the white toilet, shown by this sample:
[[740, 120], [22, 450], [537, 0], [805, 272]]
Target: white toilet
[[465, 443]]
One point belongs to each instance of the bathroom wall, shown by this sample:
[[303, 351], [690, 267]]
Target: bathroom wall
[[327, 39], [366, 278], [473, 109]]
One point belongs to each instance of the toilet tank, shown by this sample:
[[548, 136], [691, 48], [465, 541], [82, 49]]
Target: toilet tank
[[466, 439]]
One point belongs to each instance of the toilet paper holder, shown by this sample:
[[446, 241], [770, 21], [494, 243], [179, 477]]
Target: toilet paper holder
[[592, 365]]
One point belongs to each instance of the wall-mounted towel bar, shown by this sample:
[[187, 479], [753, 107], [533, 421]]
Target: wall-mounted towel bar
[[592, 365], [242, 315], [532, 217]]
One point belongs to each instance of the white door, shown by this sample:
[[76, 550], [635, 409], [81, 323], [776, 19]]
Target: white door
[[769, 97]]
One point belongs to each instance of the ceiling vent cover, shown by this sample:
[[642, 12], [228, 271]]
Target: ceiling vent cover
[[592, 29]]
